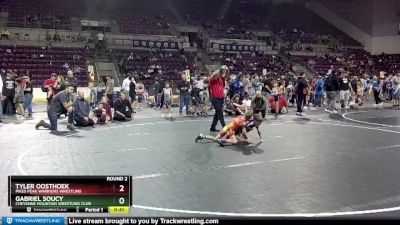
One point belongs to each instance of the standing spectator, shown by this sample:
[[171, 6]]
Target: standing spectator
[[331, 86], [28, 90], [48, 87], [100, 38], [396, 91], [246, 84], [184, 97], [81, 111], [8, 93], [376, 89], [59, 85], [140, 91], [123, 109], [56, 37], [60, 105], [290, 93], [217, 81], [344, 87], [132, 92], [266, 88], [110, 90], [125, 85], [167, 93], [19, 98], [236, 87], [301, 90], [259, 104], [157, 90], [319, 92], [256, 84]]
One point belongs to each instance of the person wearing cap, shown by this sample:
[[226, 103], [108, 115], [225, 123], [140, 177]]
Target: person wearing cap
[[217, 81]]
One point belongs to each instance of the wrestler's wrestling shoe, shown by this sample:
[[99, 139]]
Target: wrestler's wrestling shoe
[[199, 137]]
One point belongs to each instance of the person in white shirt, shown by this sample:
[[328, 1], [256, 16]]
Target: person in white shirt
[[125, 85], [100, 38]]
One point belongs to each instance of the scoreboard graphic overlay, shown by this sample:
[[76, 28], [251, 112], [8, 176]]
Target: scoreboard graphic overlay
[[75, 194]]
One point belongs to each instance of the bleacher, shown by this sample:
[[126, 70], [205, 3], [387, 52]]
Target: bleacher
[[42, 62]]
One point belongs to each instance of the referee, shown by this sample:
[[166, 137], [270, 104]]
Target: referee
[[217, 82]]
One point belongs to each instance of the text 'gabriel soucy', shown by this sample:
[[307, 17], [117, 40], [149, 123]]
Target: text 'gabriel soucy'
[[41, 186]]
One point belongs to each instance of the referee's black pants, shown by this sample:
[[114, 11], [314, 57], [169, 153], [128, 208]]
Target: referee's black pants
[[218, 104]]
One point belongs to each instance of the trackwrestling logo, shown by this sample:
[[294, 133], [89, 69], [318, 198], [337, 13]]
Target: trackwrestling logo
[[9, 220]]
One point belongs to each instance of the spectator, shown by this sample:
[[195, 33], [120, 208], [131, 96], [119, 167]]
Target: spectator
[[5, 34], [125, 85], [110, 90], [331, 86], [107, 107], [60, 105], [167, 93], [157, 90], [100, 38], [28, 90], [256, 83], [344, 87], [48, 86], [278, 106], [301, 90], [236, 87], [237, 106], [319, 92], [9, 93], [132, 91], [184, 88], [376, 90], [101, 114], [259, 104], [56, 37], [81, 111], [48, 36], [123, 109], [141, 92], [19, 98]]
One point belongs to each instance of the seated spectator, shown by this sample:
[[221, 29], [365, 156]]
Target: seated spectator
[[246, 102], [82, 109], [237, 106], [107, 107], [123, 109], [283, 104], [101, 114]]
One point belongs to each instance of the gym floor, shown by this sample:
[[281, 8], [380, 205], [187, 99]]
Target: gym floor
[[317, 165]]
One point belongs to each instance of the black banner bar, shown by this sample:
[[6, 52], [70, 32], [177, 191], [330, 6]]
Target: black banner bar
[[216, 221]]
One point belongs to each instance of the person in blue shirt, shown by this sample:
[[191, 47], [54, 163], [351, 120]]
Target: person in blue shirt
[[376, 88], [319, 91], [236, 87]]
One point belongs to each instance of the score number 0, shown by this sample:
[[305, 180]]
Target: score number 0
[[122, 199]]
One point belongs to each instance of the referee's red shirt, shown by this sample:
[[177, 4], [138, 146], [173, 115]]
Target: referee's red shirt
[[217, 87]]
